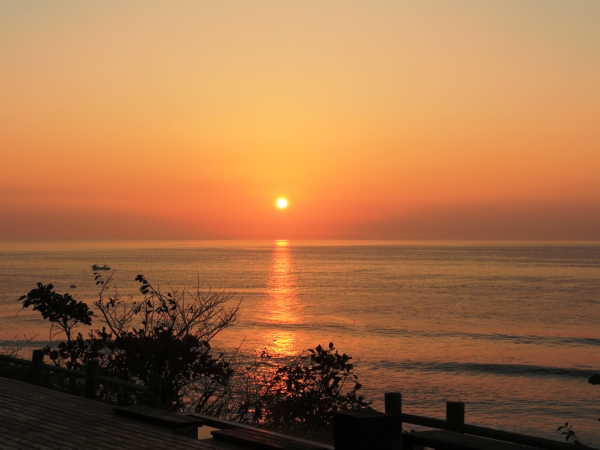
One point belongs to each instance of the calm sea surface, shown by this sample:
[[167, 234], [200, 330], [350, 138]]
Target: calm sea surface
[[512, 330]]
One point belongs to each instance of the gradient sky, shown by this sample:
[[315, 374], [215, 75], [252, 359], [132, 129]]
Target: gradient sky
[[462, 119]]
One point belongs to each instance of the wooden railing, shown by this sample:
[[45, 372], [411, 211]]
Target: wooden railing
[[363, 429], [91, 377]]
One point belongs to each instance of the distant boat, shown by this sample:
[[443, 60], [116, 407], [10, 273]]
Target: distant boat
[[73, 286], [97, 267]]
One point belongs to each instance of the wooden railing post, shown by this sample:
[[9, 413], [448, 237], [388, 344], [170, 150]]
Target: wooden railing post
[[91, 370], [362, 429], [37, 359], [455, 416], [393, 407], [154, 389]]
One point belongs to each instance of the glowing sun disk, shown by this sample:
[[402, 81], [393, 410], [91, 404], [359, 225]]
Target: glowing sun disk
[[282, 203]]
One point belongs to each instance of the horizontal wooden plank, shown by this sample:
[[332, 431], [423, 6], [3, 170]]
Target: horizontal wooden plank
[[227, 424], [259, 440], [533, 441], [489, 433], [158, 416], [449, 440]]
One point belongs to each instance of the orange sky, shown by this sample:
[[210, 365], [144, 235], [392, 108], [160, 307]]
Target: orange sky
[[441, 119]]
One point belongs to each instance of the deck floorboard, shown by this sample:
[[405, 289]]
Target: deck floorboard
[[33, 417]]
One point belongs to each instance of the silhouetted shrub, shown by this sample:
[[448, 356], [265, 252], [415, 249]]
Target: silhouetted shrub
[[64, 313], [164, 334], [169, 335], [303, 393]]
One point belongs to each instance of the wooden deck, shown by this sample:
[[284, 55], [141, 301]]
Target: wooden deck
[[33, 417]]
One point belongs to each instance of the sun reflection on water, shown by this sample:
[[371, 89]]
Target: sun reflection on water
[[282, 307]]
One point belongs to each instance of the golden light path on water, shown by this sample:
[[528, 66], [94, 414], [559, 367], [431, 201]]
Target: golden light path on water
[[281, 305]]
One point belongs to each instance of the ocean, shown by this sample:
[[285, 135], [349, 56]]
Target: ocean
[[511, 329]]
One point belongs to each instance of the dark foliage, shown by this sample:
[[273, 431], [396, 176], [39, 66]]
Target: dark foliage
[[305, 393], [64, 312], [169, 335], [569, 434], [164, 334]]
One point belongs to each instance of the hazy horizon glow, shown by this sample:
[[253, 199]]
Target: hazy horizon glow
[[396, 120]]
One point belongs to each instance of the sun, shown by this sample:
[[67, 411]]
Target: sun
[[282, 203]]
